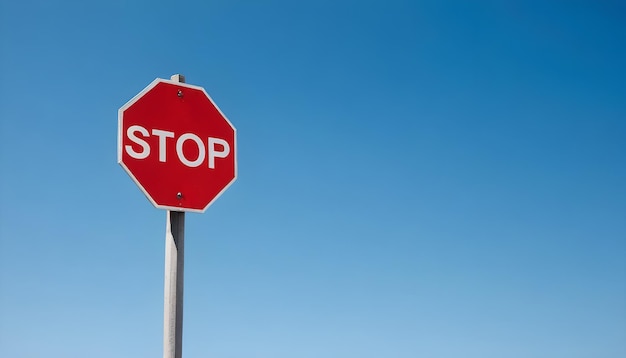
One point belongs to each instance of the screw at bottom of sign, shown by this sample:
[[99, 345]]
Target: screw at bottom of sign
[[179, 195]]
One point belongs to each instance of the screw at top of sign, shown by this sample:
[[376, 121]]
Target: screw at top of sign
[[180, 93]]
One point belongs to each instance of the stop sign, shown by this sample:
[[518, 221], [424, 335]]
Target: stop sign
[[177, 145]]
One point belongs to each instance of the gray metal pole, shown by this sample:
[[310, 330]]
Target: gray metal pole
[[174, 279]]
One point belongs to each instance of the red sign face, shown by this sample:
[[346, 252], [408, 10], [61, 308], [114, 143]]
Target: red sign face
[[177, 145]]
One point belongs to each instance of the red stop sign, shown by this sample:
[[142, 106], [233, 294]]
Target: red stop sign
[[177, 145]]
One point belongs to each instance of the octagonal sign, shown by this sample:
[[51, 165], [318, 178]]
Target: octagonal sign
[[177, 145]]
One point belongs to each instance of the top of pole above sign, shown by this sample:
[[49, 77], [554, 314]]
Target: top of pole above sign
[[177, 145]]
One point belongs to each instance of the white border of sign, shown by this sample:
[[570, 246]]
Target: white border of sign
[[120, 115]]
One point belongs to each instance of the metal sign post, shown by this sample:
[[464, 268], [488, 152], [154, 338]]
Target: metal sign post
[[174, 284], [174, 279]]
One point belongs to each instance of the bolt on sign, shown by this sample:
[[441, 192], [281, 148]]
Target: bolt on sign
[[177, 145]]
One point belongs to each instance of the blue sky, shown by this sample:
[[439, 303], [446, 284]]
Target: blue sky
[[416, 179]]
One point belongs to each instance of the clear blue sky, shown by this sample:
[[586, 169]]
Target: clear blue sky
[[416, 179]]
